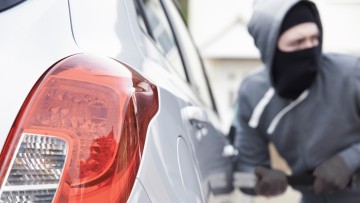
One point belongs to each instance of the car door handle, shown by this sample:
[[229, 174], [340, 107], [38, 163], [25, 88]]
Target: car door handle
[[196, 116]]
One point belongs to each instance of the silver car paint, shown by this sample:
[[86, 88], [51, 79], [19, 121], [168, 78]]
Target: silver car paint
[[138, 194], [161, 174], [160, 171], [44, 25]]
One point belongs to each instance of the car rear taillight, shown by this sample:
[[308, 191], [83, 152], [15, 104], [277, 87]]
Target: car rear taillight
[[79, 135]]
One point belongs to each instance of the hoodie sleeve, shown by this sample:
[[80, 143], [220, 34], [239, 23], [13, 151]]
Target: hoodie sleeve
[[351, 155], [251, 145]]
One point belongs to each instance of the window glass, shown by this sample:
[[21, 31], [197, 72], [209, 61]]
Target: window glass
[[140, 17], [7, 4], [193, 63], [159, 29]]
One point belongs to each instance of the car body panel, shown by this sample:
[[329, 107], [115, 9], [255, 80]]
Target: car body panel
[[139, 194], [30, 43], [178, 155]]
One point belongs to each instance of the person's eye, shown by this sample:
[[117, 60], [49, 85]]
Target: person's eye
[[315, 38], [298, 42]]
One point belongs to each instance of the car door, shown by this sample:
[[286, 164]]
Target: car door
[[204, 138], [216, 167]]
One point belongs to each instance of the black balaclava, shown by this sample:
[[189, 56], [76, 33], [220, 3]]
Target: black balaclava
[[294, 72]]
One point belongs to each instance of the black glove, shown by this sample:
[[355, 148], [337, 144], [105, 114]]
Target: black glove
[[332, 175], [270, 182]]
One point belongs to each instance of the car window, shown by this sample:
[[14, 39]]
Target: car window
[[158, 27], [192, 60], [6, 4]]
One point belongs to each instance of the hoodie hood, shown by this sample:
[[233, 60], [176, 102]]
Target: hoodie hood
[[265, 24]]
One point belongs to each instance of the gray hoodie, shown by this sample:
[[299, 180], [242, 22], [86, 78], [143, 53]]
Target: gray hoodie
[[322, 122]]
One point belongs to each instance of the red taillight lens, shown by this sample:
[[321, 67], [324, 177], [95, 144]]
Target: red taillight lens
[[80, 134]]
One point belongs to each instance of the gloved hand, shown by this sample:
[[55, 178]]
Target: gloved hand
[[331, 176], [270, 182]]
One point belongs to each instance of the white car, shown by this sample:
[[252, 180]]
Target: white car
[[105, 101]]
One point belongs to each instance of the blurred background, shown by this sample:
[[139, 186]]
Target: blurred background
[[220, 32]]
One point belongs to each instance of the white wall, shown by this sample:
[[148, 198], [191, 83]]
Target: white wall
[[226, 76], [209, 18], [341, 25]]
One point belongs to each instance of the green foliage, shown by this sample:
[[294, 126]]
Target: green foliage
[[184, 8]]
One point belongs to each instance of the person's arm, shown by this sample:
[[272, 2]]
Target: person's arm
[[251, 145], [253, 153], [335, 173], [351, 156]]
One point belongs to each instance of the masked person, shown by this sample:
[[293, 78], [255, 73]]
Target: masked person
[[303, 101]]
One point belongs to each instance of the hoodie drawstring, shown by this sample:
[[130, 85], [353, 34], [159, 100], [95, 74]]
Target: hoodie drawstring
[[260, 107], [285, 110]]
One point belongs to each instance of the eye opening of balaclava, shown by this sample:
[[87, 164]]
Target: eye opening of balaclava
[[294, 72]]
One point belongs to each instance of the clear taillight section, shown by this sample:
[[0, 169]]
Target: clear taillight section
[[36, 169], [80, 134]]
